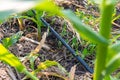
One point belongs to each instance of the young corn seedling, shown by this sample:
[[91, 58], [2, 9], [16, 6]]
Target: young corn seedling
[[34, 16]]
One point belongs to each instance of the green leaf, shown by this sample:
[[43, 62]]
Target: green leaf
[[10, 59], [83, 30], [46, 64], [13, 61], [113, 78], [113, 59], [49, 5], [107, 1], [98, 1], [112, 65], [32, 59], [113, 50], [9, 41], [107, 78], [110, 78]]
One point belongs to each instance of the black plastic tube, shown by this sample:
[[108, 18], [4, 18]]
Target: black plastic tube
[[67, 46]]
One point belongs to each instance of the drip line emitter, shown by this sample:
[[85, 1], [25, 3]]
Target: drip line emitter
[[67, 46]]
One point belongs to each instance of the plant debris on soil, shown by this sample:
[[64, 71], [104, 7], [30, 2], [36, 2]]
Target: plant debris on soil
[[52, 50]]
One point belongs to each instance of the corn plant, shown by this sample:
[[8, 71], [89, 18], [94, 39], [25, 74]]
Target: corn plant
[[34, 16]]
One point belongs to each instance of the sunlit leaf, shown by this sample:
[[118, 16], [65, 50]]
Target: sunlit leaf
[[107, 1], [49, 5], [97, 1], [83, 30], [10, 59], [46, 64], [13, 61]]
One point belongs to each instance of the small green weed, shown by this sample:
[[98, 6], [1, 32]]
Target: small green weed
[[88, 50], [9, 41]]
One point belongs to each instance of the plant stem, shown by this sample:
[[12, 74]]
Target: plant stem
[[30, 75], [38, 26], [105, 28]]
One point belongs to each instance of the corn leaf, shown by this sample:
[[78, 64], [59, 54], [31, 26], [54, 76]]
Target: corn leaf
[[112, 65], [83, 30], [13, 61], [49, 5], [113, 59], [113, 50], [10, 59]]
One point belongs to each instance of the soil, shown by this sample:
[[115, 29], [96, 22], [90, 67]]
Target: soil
[[54, 51]]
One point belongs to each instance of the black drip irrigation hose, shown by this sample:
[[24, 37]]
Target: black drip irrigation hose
[[67, 46]]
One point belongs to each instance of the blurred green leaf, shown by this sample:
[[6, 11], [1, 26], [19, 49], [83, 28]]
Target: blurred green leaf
[[85, 52], [10, 59], [13, 61], [112, 65], [110, 78], [98, 1], [50, 6], [113, 58], [32, 57], [83, 30], [107, 1], [9, 41], [113, 50], [107, 78]]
